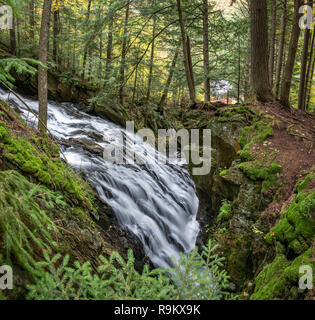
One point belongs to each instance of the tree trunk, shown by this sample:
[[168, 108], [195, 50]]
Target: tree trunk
[[169, 79], [109, 48], [86, 49], [272, 41], [281, 47], [189, 75], [123, 56], [239, 71], [18, 36], [259, 51], [247, 76], [42, 72], [288, 71], [100, 70], [303, 79], [32, 19], [55, 35], [206, 66], [151, 59], [310, 73], [308, 99], [13, 38], [135, 84]]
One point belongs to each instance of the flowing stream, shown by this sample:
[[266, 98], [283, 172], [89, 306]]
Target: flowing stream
[[157, 202]]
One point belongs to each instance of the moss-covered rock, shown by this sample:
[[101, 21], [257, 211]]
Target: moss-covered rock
[[293, 237], [297, 224], [39, 158]]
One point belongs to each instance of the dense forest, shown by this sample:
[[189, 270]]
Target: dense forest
[[74, 226]]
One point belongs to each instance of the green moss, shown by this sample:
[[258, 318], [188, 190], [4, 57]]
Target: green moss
[[298, 245], [279, 279], [44, 177], [225, 211], [271, 282], [302, 185], [41, 160], [258, 132], [296, 225], [3, 134], [255, 171], [223, 173], [237, 259], [244, 133], [292, 271], [245, 155], [265, 133]]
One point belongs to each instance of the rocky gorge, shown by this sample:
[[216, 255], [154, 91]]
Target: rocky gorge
[[254, 204]]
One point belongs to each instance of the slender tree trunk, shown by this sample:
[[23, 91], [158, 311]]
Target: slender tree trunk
[[190, 61], [32, 19], [86, 49], [151, 59], [309, 75], [239, 71], [303, 79], [123, 56], [18, 35], [189, 75], [55, 35], [206, 64], [247, 76], [281, 47], [288, 71], [169, 79], [259, 51], [42, 72], [100, 56], [309, 90], [13, 38], [135, 84], [90, 70], [272, 41], [109, 48]]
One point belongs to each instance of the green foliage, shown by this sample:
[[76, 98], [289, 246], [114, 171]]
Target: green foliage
[[19, 65], [245, 155], [197, 276], [24, 225], [200, 276], [225, 211], [114, 279]]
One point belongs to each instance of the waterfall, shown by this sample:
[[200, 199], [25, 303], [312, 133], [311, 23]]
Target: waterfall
[[155, 201]]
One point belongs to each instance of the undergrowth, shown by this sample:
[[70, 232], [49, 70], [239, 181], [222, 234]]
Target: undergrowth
[[197, 276]]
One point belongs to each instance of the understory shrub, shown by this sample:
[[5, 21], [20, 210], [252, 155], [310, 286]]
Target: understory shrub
[[196, 276]]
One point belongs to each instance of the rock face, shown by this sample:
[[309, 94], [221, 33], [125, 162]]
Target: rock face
[[263, 226], [235, 234]]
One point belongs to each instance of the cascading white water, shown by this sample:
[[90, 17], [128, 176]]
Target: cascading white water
[[157, 202]]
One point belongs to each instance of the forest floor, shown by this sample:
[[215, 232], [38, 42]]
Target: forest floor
[[293, 144]]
